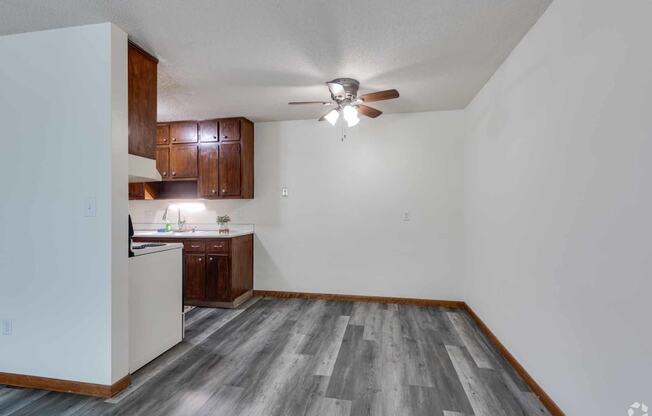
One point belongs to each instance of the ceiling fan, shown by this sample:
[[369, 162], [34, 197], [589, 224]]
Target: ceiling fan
[[344, 95]]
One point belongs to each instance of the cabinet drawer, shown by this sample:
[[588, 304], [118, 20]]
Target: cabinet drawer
[[194, 246], [218, 246]]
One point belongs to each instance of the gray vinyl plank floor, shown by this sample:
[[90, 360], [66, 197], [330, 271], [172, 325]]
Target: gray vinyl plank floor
[[287, 357]]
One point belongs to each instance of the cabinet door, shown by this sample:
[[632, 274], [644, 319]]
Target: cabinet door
[[230, 129], [194, 277], [218, 278], [183, 132], [163, 161], [141, 103], [183, 161], [208, 172], [229, 169], [208, 131], [163, 134]]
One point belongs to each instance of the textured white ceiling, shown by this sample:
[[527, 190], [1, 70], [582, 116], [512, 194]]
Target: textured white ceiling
[[250, 57]]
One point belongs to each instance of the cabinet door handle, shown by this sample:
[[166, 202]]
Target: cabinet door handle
[[199, 259], [225, 136], [210, 259], [165, 140], [165, 174], [223, 190], [174, 139], [174, 173], [213, 191], [215, 137], [194, 246]]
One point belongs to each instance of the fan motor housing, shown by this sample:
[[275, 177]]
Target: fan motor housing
[[350, 86]]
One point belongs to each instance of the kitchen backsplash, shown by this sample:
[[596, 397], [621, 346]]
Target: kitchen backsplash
[[200, 213]]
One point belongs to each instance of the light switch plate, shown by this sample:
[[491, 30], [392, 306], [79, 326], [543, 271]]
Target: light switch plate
[[89, 207], [284, 192], [7, 327]]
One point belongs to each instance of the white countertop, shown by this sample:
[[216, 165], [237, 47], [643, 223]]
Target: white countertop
[[151, 250], [191, 234]]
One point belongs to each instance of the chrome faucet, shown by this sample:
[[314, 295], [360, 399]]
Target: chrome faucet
[[181, 223], [165, 214]]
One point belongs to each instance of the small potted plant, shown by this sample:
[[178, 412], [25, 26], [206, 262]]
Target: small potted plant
[[223, 223]]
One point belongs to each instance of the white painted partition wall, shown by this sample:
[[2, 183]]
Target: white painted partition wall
[[341, 228], [63, 112], [558, 167]]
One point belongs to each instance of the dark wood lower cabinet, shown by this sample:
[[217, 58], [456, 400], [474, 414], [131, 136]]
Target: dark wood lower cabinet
[[194, 277], [218, 278], [217, 272]]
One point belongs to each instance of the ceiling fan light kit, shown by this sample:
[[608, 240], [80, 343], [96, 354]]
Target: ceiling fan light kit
[[350, 114], [332, 116], [344, 95]]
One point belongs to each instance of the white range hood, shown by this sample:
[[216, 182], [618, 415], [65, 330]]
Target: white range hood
[[142, 169]]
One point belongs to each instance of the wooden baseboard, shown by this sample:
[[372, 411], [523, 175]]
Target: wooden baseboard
[[224, 305], [534, 386], [357, 298], [65, 386]]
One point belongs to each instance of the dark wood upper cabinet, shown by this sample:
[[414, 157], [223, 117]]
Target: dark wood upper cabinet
[[194, 277], [221, 164], [163, 161], [136, 191], [208, 170], [142, 102], [208, 131], [144, 190], [230, 129], [183, 161], [183, 132], [229, 169], [163, 134]]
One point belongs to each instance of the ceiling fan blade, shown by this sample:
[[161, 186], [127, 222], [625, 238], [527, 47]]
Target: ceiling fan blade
[[379, 96], [337, 90], [368, 111], [310, 102]]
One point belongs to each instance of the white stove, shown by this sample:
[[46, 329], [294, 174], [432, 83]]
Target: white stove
[[140, 249], [155, 301]]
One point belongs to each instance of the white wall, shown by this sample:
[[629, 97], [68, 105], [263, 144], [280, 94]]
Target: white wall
[[340, 230], [119, 205], [63, 113], [558, 204]]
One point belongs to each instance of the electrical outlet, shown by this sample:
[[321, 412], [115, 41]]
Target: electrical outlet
[[7, 327], [406, 216], [284, 192]]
